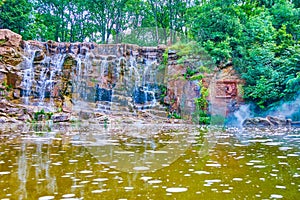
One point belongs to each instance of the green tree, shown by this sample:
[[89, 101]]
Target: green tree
[[16, 15]]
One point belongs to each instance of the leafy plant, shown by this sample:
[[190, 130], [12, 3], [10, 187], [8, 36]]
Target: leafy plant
[[7, 87], [44, 115], [174, 115], [201, 114]]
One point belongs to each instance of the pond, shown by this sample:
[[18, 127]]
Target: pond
[[163, 161]]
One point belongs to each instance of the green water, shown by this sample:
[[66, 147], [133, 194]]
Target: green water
[[148, 162]]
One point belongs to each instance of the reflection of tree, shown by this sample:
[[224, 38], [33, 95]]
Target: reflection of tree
[[22, 172]]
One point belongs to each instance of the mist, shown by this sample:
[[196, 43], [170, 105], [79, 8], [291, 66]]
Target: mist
[[288, 110]]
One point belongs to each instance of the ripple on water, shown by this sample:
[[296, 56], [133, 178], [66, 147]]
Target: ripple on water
[[141, 168], [259, 166], [154, 181], [86, 172], [272, 143], [276, 196], [146, 178], [226, 191], [237, 179], [97, 191], [128, 188], [280, 187], [68, 195], [213, 181], [100, 179], [201, 172], [46, 197], [213, 165], [292, 155], [284, 148], [176, 189]]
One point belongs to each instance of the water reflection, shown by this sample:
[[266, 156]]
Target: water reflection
[[147, 161]]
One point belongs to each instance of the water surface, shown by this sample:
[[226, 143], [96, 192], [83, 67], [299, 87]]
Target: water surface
[[148, 162]]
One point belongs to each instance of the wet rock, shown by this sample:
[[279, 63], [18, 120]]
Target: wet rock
[[17, 94], [61, 117], [3, 119], [39, 56], [25, 118], [257, 122], [279, 121], [269, 121], [2, 114], [51, 46]]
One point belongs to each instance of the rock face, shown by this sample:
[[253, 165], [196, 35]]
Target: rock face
[[87, 77], [224, 86], [269, 121]]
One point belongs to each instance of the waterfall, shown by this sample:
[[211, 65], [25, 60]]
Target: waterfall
[[91, 78], [42, 86], [50, 67], [145, 84], [28, 76]]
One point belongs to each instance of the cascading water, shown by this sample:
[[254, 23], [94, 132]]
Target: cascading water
[[50, 66], [28, 77], [145, 84], [42, 85], [95, 80], [103, 94]]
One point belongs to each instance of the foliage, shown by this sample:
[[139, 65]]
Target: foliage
[[163, 92], [16, 16], [7, 87], [261, 38], [194, 58], [42, 115], [201, 114], [174, 115]]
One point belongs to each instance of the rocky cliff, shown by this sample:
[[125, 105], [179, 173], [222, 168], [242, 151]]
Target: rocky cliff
[[90, 78]]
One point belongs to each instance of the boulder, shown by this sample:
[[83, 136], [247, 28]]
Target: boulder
[[10, 55], [269, 121], [61, 117], [279, 121], [9, 38], [257, 122]]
